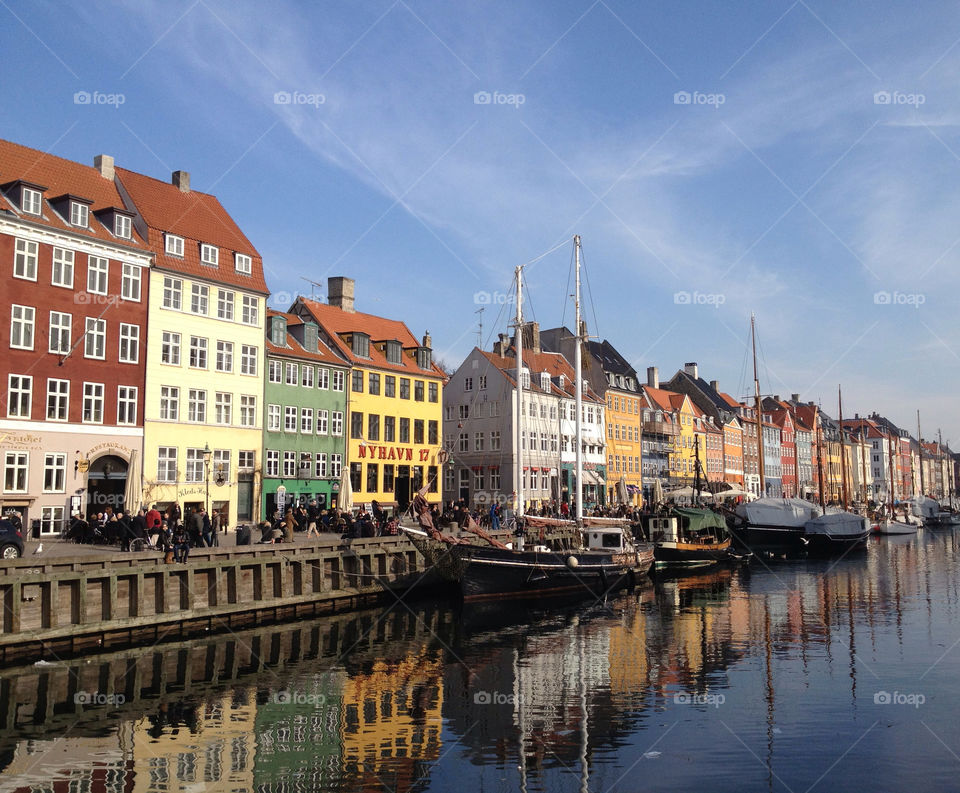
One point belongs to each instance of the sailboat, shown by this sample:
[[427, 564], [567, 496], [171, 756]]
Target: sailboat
[[890, 524], [606, 558]]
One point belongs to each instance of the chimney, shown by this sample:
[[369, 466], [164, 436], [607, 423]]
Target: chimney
[[501, 345], [104, 164], [181, 180], [691, 369], [427, 341], [794, 397], [531, 337], [653, 377], [340, 292], [715, 385], [776, 397]]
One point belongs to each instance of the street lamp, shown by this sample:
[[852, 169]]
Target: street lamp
[[206, 471]]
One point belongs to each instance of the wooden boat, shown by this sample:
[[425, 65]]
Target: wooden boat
[[689, 536]]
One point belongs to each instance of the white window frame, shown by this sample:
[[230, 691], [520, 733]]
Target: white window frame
[[31, 201], [223, 408], [243, 263], [306, 421], [338, 380], [58, 390], [289, 418], [306, 375], [167, 464], [323, 421], [195, 465], [92, 397], [98, 275], [224, 357], [291, 374], [172, 293], [248, 359], [79, 215], [274, 371], [336, 465], [323, 378], [173, 245], [62, 266], [272, 463], [26, 255], [127, 396], [273, 418], [59, 335], [123, 226], [23, 323], [169, 403], [95, 338], [289, 465], [225, 302], [19, 462], [199, 299], [170, 348], [320, 463], [197, 406], [19, 396], [199, 348], [248, 410], [209, 254], [130, 282], [336, 423], [129, 351], [250, 313]]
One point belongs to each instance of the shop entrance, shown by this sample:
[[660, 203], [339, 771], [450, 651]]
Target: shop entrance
[[106, 484]]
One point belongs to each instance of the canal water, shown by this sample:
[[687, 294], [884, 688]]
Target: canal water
[[796, 676]]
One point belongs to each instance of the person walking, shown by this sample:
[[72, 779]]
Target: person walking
[[205, 528], [495, 516], [289, 522], [313, 517]]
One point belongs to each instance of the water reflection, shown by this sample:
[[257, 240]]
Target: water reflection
[[749, 677]]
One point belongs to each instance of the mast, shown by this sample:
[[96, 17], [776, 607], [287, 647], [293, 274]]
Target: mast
[[518, 440], [696, 468], [578, 363], [863, 464], [816, 419], [920, 444], [893, 481], [843, 449], [756, 391], [940, 461]]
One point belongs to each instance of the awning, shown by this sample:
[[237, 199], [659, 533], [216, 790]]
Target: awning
[[593, 478], [633, 490]]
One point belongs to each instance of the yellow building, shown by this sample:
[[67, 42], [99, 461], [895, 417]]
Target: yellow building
[[202, 411], [684, 414], [624, 448], [394, 399]]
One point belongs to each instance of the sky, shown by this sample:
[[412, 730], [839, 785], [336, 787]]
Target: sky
[[794, 160]]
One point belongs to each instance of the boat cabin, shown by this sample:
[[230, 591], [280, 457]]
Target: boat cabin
[[601, 539]]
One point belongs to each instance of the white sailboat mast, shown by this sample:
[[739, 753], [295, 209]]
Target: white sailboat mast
[[578, 364], [518, 440]]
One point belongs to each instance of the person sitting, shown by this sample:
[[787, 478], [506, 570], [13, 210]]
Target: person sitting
[[181, 544]]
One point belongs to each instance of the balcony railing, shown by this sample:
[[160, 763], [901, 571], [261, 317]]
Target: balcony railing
[[660, 428]]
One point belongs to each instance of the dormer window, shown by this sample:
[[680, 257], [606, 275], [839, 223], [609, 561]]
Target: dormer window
[[122, 226], [243, 263], [360, 345], [525, 378], [209, 254], [393, 351], [79, 214], [424, 356], [544, 381], [30, 200], [174, 245], [562, 380]]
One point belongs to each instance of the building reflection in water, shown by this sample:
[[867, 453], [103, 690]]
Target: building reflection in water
[[384, 700]]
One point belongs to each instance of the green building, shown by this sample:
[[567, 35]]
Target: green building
[[305, 401]]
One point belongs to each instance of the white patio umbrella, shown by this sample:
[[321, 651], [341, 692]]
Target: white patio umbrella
[[345, 497], [133, 491]]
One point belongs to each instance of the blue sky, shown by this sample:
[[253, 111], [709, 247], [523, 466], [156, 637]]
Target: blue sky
[[794, 159]]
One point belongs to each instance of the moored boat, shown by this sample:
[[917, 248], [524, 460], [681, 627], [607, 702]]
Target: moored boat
[[689, 536], [836, 532]]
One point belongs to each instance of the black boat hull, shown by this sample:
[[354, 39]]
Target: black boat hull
[[691, 553]]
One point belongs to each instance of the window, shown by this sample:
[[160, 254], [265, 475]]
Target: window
[[209, 254], [336, 423], [167, 464], [292, 374], [169, 403], [130, 283], [306, 376], [322, 422], [273, 418], [356, 425], [129, 343], [15, 472], [224, 356], [418, 390], [433, 432], [482, 381], [373, 427], [404, 388], [19, 396], [393, 351], [423, 358], [62, 274], [248, 359], [170, 348], [374, 384], [197, 405], [95, 339], [418, 430], [51, 520], [25, 260], [98, 270], [198, 352], [389, 429], [195, 465], [225, 304], [30, 200], [433, 392], [93, 403], [323, 378], [199, 297], [246, 460], [172, 293], [289, 419], [373, 478], [126, 404], [387, 478], [251, 310], [336, 465], [338, 380], [58, 399], [479, 480], [478, 441], [242, 263], [306, 420], [389, 385], [495, 440], [464, 411], [289, 464], [357, 381], [273, 463], [122, 226], [321, 465], [173, 245], [494, 409], [223, 408], [355, 473], [404, 430], [306, 465], [21, 327], [360, 345], [468, 384], [274, 371], [221, 463]]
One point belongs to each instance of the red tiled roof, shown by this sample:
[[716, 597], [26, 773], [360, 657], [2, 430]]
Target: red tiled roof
[[323, 354], [198, 218], [729, 399], [335, 321], [553, 363], [61, 177]]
